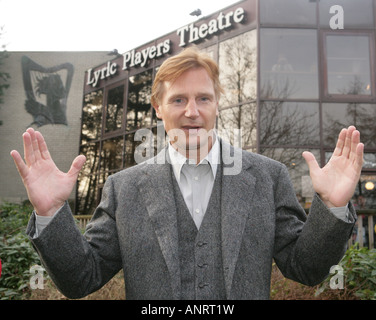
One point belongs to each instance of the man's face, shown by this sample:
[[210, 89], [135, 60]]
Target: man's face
[[189, 109]]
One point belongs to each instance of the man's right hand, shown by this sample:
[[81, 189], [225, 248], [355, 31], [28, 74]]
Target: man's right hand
[[47, 187]]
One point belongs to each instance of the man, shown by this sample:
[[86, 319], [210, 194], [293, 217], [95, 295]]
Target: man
[[178, 225]]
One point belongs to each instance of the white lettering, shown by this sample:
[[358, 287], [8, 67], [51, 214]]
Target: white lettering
[[106, 72], [336, 282], [222, 22], [145, 54], [166, 47], [336, 21], [37, 280], [213, 27], [181, 33], [89, 79], [141, 58], [239, 15], [203, 31]]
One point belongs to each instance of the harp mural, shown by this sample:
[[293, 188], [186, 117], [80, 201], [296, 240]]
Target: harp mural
[[47, 91]]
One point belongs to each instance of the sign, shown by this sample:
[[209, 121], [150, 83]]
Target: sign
[[222, 22], [187, 35]]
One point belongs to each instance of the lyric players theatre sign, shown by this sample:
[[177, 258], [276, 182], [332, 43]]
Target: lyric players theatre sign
[[186, 35]]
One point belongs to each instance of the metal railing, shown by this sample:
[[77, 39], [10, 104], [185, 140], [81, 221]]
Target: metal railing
[[365, 229], [82, 220]]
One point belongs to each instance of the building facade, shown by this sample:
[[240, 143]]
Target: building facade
[[295, 73], [45, 92]]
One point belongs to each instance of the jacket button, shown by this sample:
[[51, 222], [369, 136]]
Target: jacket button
[[202, 285]]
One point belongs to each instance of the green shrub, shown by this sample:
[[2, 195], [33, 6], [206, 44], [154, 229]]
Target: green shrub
[[16, 252], [359, 270]]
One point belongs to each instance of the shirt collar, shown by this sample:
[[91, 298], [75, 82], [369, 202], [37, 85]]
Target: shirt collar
[[178, 160]]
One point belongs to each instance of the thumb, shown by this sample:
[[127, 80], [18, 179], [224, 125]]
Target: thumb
[[77, 165], [311, 161]]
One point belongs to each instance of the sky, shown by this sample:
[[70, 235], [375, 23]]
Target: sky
[[93, 25]]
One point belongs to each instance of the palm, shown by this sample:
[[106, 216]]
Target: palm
[[336, 182], [46, 185]]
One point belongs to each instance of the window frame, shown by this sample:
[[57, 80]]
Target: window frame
[[105, 135], [330, 97]]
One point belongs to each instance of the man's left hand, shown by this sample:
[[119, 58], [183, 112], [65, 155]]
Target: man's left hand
[[336, 182]]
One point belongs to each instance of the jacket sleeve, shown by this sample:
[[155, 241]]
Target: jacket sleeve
[[80, 264], [306, 247]]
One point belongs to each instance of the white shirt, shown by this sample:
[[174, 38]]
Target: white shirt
[[195, 180]]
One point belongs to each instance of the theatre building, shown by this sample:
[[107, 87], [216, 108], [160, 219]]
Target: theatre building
[[295, 72]]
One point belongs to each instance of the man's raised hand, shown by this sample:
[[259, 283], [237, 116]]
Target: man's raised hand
[[336, 182], [47, 187]]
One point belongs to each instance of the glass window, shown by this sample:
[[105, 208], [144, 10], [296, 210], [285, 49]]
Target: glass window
[[242, 117], [348, 65], [91, 152], [298, 170], [87, 195], [130, 148], [289, 123], [238, 69], [114, 109], [288, 12], [112, 154], [357, 14], [139, 105], [288, 64], [92, 116], [341, 115], [88, 179]]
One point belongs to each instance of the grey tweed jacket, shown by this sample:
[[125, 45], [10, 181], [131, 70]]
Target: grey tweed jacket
[[135, 228]]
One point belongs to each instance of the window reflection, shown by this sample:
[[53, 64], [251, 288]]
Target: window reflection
[[112, 154], [130, 147], [348, 65], [288, 12], [365, 195], [92, 116], [288, 63], [337, 116], [238, 69], [298, 170], [91, 152], [139, 106], [87, 198], [289, 123], [242, 117], [114, 109]]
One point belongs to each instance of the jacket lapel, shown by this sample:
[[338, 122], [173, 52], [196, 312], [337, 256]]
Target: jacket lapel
[[156, 187], [238, 187]]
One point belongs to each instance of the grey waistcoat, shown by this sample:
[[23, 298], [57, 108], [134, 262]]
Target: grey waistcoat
[[200, 251]]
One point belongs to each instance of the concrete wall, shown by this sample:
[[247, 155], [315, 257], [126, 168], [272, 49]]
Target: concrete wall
[[63, 140]]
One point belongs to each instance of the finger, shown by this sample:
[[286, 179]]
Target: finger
[[340, 143], [347, 147], [77, 165], [21, 166], [355, 140], [42, 146], [28, 149], [359, 160], [35, 144], [311, 161]]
